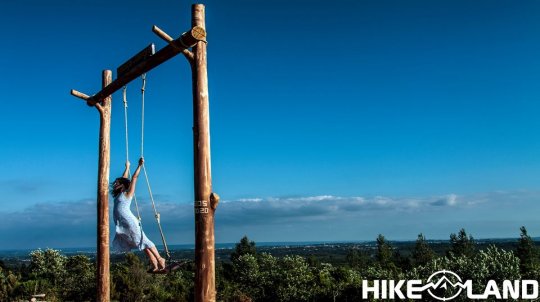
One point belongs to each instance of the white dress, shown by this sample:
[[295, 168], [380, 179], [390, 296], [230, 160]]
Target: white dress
[[129, 234]]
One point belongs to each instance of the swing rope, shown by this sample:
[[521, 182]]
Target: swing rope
[[156, 213], [124, 93]]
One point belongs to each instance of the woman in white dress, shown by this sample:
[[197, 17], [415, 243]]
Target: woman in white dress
[[129, 234]]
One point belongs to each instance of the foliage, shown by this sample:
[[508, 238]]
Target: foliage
[[245, 246], [384, 251], [461, 245], [385, 256], [528, 255], [247, 275], [132, 282], [295, 281], [48, 264], [422, 253], [357, 259], [491, 264], [80, 279], [129, 279], [333, 282], [8, 284], [49, 269], [252, 276]]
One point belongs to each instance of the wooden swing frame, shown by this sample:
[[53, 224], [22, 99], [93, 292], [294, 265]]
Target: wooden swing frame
[[205, 202]]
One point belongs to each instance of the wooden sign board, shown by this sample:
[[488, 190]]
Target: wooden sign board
[[144, 54]]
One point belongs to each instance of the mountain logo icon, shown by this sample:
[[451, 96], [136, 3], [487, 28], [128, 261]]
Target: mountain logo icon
[[444, 285]]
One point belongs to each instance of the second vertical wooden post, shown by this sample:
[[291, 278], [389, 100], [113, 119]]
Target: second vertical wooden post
[[103, 274], [205, 289]]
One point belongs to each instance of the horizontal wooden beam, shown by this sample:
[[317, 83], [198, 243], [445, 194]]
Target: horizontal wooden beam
[[185, 41], [144, 54]]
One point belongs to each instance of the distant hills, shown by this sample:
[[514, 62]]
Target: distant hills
[[317, 248]]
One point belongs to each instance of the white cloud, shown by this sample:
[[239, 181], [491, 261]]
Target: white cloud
[[449, 200], [74, 223]]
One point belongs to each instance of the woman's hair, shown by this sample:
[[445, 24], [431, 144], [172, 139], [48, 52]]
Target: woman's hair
[[121, 184]]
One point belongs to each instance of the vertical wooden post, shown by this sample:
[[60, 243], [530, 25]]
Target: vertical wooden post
[[205, 289], [103, 276]]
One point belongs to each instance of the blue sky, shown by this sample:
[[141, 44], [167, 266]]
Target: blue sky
[[329, 120]]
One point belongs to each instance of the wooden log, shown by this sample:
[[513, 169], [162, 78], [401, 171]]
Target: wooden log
[[79, 94], [163, 35], [205, 287], [160, 33], [186, 40], [103, 265], [214, 200], [197, 32]]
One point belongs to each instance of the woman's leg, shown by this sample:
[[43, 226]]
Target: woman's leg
[[152, 258], [161, 261]]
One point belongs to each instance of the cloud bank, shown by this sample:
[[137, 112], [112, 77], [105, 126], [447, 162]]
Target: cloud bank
[[292, 218]]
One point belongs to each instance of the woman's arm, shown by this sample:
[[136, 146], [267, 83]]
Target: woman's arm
[[131, 190], [126, 171]]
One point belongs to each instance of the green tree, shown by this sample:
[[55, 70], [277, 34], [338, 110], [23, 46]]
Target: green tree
[[132, 282], [48, 264], [490, 264], [422, 253], [357, 258], [247, 276], [245, 246], [176, 286], [400, 261], [48, 273], [295, 279], [384, 252], [527, 252], [130, 279], [226, 288], [79, 282], [8, 284], [333, 282], [268, 276], [461, 244], [313, 261], [496, 264]]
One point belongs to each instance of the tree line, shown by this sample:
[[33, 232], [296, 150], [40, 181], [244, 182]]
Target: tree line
[[253, 276]]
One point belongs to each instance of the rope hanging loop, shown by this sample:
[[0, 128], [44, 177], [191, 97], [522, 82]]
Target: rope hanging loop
[[124, 94], [143, 77]]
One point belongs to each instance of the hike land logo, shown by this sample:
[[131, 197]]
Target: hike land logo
[[446, 285], [449, 284]]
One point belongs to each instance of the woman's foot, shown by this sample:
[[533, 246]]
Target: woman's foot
[[153, 270], [162, 264]]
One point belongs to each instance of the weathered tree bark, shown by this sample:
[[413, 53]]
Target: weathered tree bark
[[205, 204], [103, 276]]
